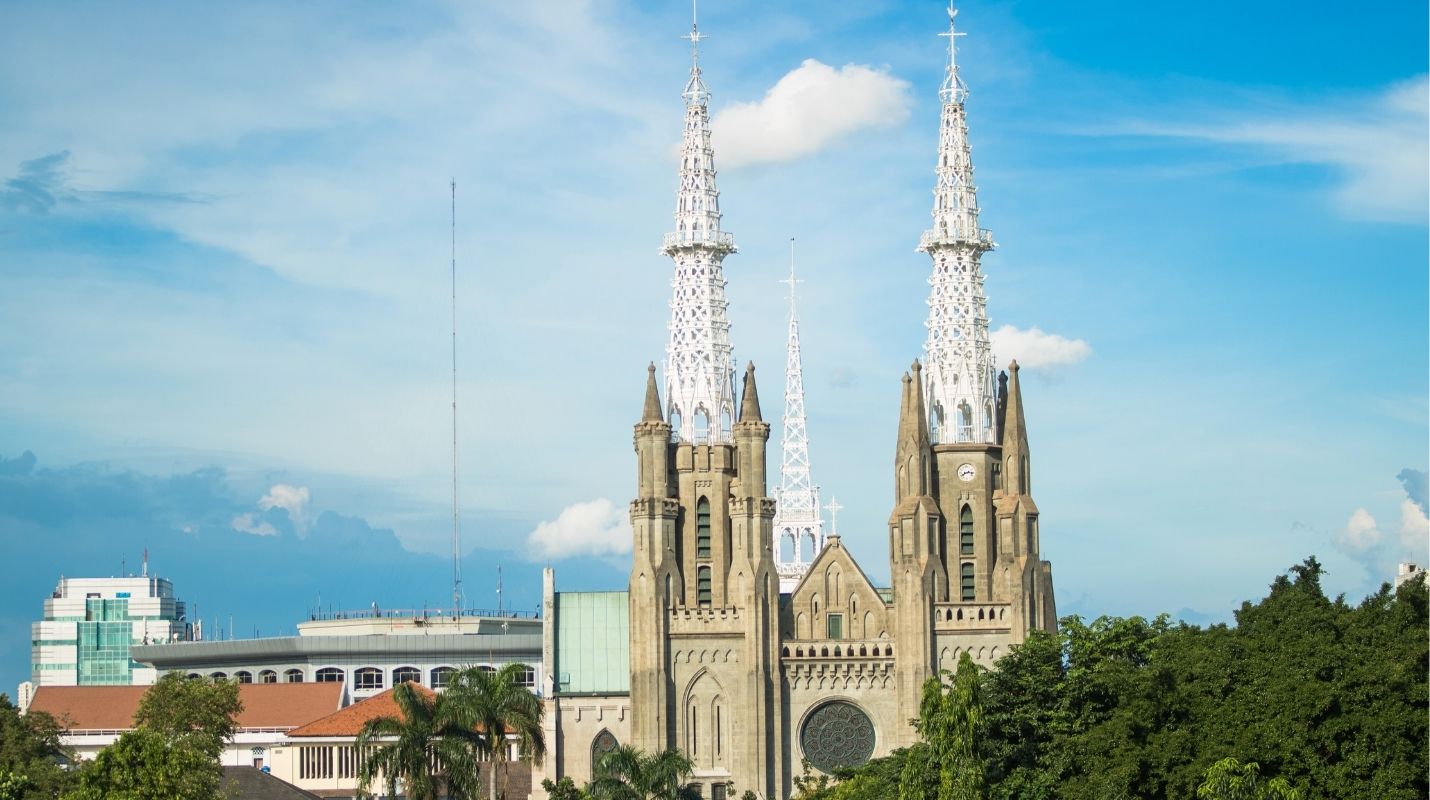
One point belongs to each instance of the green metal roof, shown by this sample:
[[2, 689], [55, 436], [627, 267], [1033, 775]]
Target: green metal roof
[[593, 632]]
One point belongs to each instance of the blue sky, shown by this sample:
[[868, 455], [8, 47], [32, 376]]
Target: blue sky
[[223, 276]]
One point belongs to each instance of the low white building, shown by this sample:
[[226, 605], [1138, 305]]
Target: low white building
[[1407, 572], [367, 651]]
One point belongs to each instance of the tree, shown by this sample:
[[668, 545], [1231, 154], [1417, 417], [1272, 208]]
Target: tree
[[564, 789], [950, 722], [404, 748], [144, 764], [625, 773], [1229, 779], [181, 707], [500, 709], [31, 754], [173, 752]]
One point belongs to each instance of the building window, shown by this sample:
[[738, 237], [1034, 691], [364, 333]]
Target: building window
[[965, 531], [315, 762], [293, 676], [243, 676], [703, 593], [527, 677], [219, 676], [835, 626], [718, 791], [267, 676], [966, 580], [367, 678], [702, 528], [330, 675], [402, 675], [440, 677], [604, 743]]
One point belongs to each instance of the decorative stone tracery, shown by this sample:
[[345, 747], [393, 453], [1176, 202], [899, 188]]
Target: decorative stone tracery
[[837, 734]]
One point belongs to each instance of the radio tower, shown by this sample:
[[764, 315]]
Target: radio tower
[[700, 362], [959, 386], [456, 516], [797, 520]]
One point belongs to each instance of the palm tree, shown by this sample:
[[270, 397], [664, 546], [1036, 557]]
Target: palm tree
[[416, 748], [626, 773], [498, 707]]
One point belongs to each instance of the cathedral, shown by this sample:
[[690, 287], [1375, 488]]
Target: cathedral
[[748, 638]]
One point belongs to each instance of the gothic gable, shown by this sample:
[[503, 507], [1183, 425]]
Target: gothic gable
[[835, 600]]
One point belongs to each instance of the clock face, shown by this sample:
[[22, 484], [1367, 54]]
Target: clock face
[[966, 472]]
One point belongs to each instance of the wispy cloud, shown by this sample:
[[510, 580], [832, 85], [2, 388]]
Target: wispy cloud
[[594, 528], [1035, 349], [807, 109], [1379, 146]]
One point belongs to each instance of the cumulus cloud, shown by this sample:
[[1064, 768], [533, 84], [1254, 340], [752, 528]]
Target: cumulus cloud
[[252, 523], [1417, 486], [593, 528], [1035, 349], [808, 108], [293, 499], [1376, 144], [1361, 532], [1414, 530]]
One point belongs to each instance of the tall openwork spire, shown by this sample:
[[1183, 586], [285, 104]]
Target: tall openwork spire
[[797, 523], [959, 376], [700, 363]]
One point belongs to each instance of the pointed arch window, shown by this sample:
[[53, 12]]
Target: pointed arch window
[[965, 531], [702, 528], [965, 577]]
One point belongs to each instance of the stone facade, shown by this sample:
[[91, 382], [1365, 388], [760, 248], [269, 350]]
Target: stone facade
[[751, 683]]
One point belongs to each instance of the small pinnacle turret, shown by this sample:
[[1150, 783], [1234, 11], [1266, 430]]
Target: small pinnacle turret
[[959, 384], [700, 364], [750, 400], [1016, 479], [651, 412]]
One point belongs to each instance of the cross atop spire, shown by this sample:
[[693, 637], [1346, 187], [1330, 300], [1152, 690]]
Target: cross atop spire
[[695, 91], [953, 90], [798, 528]]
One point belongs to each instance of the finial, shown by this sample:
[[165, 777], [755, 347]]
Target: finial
[[953, 88], [695, 91], [917, 367], [791, 280], [1013, 366]]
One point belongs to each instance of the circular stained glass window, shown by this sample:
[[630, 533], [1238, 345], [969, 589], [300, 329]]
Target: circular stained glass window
[[837, 734]]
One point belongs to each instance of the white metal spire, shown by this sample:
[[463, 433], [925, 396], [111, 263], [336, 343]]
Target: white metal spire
[[700, 362], [959, 387], [797, 520]]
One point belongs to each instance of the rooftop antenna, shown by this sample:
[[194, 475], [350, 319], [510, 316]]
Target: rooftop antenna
[[498, 589], [456, 519]]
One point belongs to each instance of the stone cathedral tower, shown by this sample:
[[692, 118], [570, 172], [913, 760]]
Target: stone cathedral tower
[[706, 652], [704, 594]]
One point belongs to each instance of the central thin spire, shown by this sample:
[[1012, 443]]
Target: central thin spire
[[700, 362], [958, 383], [797, 523]]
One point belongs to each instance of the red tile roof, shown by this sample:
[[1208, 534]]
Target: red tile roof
[[110, 708], [349, 721]]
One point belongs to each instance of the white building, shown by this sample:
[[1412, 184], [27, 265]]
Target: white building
[[1407, 572], [367, 651], [89, 625]]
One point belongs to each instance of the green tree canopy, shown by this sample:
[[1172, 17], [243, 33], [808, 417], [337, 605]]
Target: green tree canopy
[[31, 754]]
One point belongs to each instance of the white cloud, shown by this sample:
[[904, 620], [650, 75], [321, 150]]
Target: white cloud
[[593, 528], [250, 523], [1378, 145], [293, 499], [1414, 530], [1035, 349], [808, 108], [1361, 532]]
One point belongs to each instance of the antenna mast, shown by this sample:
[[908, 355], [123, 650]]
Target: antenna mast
[[456, 518]]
